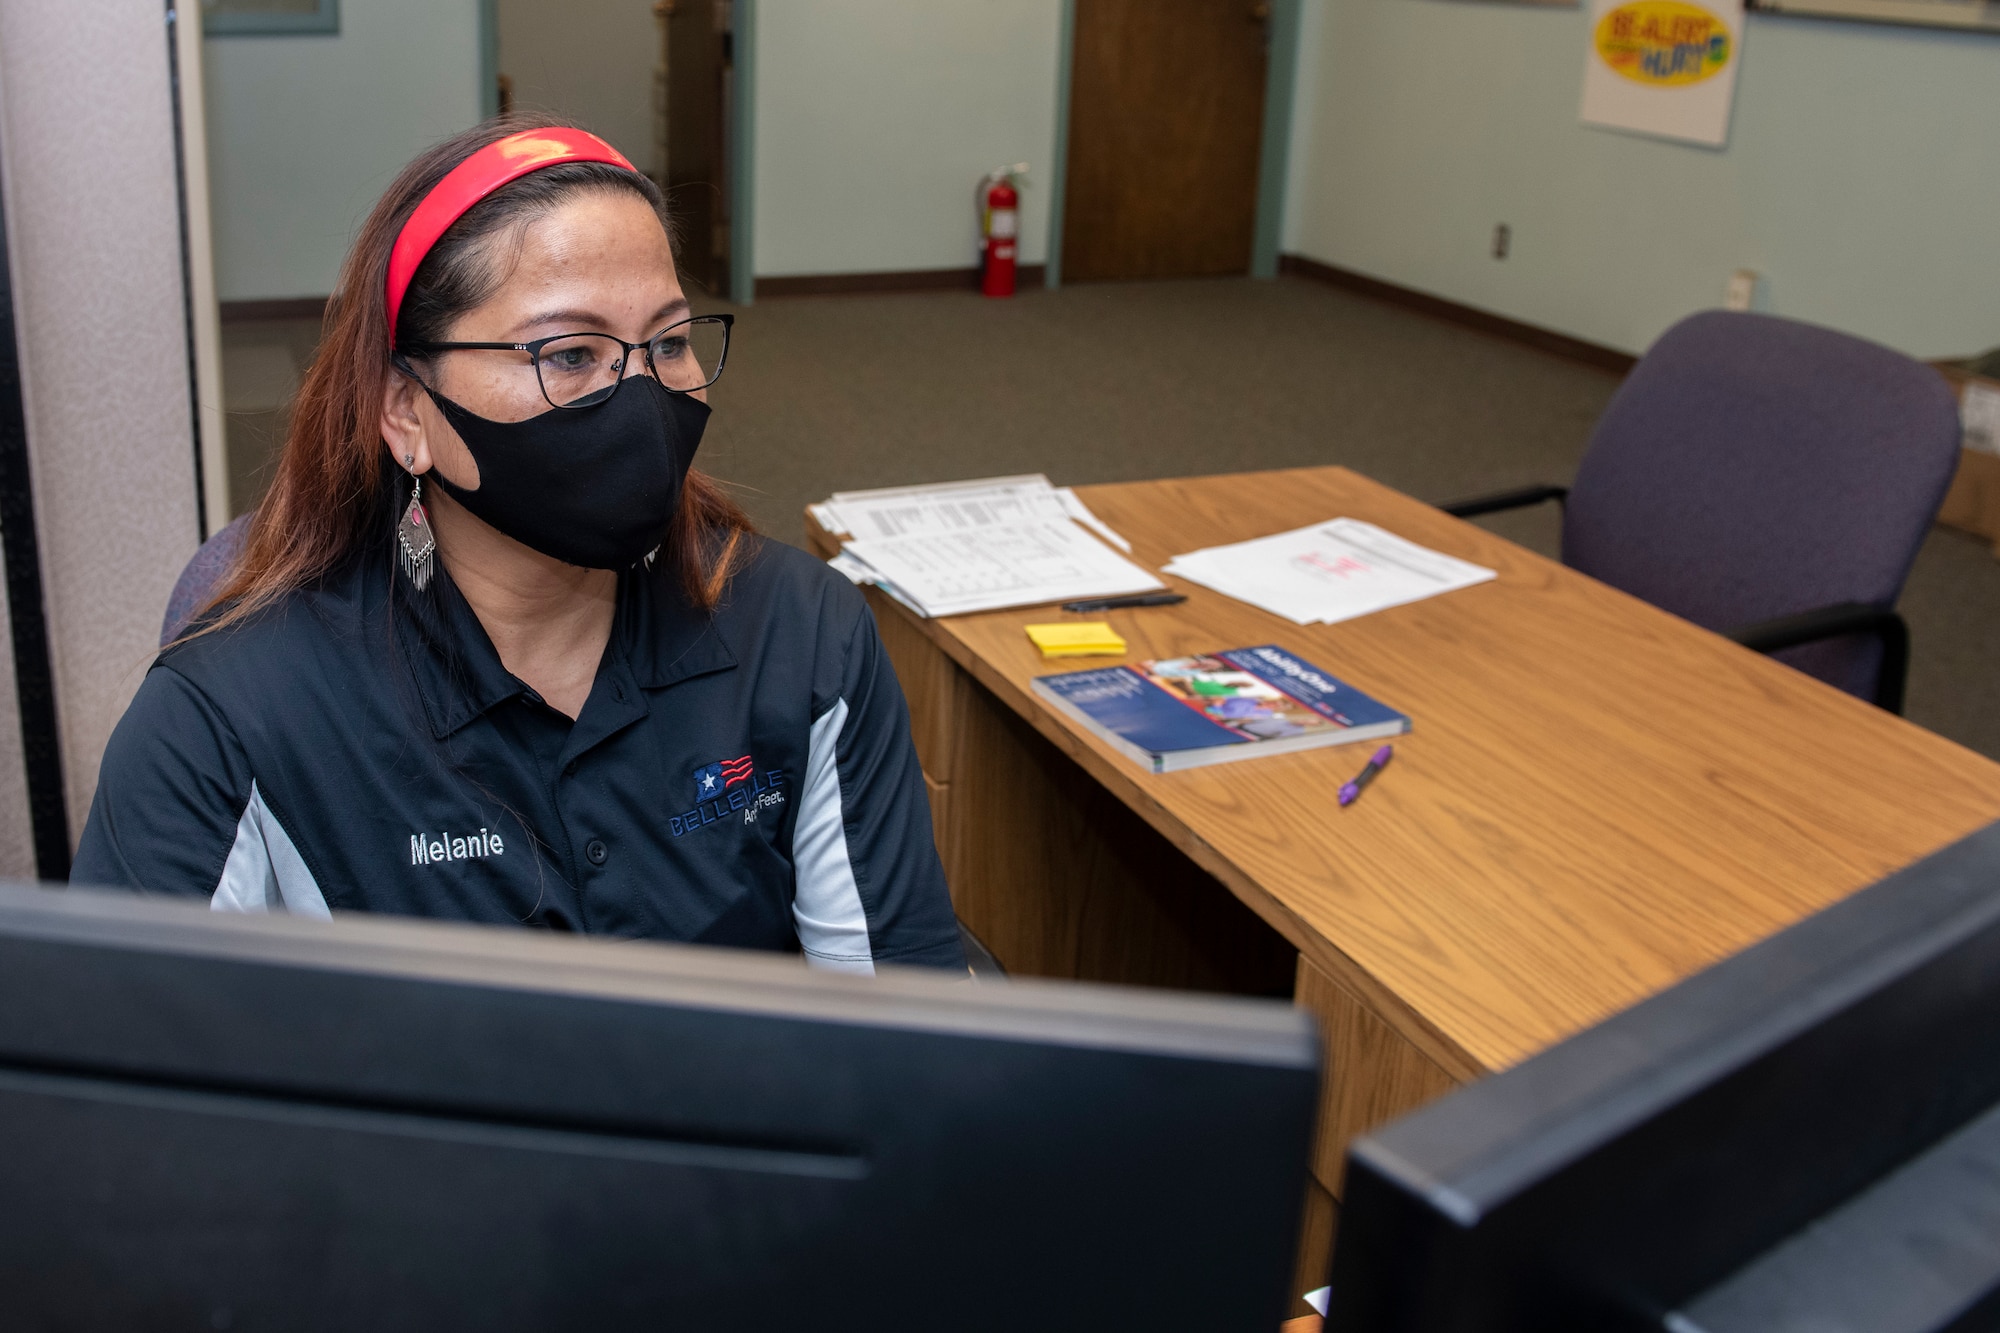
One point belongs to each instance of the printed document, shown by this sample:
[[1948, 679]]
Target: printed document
[[947, 549], [1328, 572], [960, 506], [1015, 564]]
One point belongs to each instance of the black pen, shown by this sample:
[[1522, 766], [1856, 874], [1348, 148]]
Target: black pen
[[1119, 603]]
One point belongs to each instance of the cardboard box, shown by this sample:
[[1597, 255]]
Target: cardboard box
[[1973, 503]]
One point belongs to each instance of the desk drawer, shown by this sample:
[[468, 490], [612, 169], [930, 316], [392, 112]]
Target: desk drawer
[[1372, 1073]]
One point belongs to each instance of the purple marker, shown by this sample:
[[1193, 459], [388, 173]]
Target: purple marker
[[1376, 763]]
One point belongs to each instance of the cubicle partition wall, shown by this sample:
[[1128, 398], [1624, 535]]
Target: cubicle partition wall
[[100, 461], [33, 832]]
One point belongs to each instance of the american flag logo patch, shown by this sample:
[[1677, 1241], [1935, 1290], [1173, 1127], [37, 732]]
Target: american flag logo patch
[[712, 780], [728, 788]]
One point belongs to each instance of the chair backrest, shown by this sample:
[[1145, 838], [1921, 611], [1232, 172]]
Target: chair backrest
[[201, 576], [1751, 468]]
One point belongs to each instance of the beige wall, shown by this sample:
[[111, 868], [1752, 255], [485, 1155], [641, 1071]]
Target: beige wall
[[86, 141], [588, 60], [304, 133], [1861, 178], [875, 119]]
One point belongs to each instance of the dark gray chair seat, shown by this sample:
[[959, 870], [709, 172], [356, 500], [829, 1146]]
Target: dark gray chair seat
[[201, 576], [1769, 480]]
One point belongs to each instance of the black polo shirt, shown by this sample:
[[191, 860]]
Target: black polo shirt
[[743, 778]]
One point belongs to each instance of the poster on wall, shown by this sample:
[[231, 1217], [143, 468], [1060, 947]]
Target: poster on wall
[[1663, 67]]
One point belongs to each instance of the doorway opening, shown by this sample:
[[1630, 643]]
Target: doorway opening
[[656, 80]]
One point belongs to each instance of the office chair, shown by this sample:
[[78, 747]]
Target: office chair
[[1769, 480], [212, 560], [201, 574]]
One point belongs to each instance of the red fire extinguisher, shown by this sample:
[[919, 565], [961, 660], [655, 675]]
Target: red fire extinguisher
[[1000, 214]]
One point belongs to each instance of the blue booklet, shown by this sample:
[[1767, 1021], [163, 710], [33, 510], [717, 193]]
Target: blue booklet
[[1183, 712]]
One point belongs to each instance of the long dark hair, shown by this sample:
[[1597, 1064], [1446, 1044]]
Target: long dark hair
[[334, 493]]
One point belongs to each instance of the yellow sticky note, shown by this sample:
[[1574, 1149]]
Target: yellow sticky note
[[1077, 638]]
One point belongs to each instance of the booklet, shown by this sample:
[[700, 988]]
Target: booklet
[[1183, 712]]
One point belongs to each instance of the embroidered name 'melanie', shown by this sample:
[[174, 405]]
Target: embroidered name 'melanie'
[[426, 850]]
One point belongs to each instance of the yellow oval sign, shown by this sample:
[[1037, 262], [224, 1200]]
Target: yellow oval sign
[[1664, 43]]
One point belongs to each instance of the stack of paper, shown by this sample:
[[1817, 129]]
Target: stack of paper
[[1328, 572], [957, 506], [979, 545]]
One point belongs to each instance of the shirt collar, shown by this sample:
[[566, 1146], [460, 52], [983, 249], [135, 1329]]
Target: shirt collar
[[459, 674], [665, 639]]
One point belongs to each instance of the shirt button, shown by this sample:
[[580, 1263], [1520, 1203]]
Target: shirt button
[[596, 852]]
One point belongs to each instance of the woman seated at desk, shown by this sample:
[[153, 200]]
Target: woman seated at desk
[[493, 652]]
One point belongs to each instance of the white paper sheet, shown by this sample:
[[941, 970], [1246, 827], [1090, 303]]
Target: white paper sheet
[[854, 569], [951, 573], [1080, 511], [884, 493], [1979, 411], [1328, 572]]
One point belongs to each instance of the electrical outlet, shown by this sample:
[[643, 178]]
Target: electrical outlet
[[1742, 293], [1503, 240]]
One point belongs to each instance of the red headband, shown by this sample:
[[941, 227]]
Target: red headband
[[472, 180]]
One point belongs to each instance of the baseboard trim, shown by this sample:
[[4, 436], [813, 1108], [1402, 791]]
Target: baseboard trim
[[289, 307], [1548, 340], [911, 280]]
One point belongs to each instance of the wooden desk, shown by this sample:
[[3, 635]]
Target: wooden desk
[[1598, 799]]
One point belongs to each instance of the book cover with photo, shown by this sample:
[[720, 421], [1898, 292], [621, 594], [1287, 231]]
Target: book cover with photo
[[1184, 712]]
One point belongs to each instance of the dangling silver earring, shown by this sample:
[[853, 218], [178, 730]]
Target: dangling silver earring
[[415, 537]]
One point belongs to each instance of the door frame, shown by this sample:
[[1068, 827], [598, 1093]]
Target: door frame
[[742, 151], [1273, 152]]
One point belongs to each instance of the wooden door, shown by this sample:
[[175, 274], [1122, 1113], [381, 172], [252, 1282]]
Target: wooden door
[[699, 65], [1166, 119]]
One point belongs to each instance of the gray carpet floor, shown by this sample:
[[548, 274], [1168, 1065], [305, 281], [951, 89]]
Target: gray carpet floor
[[1117, 382], [1114, 382]]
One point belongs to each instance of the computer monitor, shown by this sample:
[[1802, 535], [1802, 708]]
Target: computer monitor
[[1805, 1137], [220, 1122]]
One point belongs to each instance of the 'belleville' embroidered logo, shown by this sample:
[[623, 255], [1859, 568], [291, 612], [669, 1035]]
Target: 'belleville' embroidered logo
[[726, 785], [427, 850]]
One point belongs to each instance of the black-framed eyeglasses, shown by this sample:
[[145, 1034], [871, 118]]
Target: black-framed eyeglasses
[[583, 370]]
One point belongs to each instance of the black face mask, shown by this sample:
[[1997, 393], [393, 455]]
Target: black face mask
[[596, 487]]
